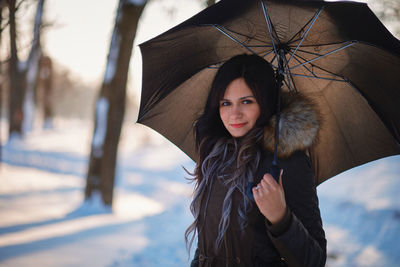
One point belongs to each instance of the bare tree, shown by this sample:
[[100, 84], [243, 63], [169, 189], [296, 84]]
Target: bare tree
[[3, 4], [32, 71], [46, 84], [23, 75], [110, 105], [16, 76]]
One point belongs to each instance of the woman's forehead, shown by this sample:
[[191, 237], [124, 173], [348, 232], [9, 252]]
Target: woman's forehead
[[238, 89]]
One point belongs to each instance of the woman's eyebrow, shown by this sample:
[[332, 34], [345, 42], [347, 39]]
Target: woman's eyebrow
[[241, 98], [249, 96]]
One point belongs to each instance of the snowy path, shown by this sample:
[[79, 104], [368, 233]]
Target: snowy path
[[44, 221]]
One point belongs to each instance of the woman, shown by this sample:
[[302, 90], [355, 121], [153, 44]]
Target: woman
[[235, 138]]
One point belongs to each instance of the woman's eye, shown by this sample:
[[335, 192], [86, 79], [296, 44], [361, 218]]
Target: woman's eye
[[224, 104], [247, 101]]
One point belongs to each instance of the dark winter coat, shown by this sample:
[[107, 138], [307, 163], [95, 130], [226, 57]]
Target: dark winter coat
[[298, 239]]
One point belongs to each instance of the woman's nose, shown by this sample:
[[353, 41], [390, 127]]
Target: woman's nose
[[236, 111]]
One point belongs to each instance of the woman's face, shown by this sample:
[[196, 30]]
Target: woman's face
[[238, 108]]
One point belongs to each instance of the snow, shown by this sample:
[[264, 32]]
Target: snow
[[29, 110], [361, 213], [137, 2], [33, 68], [22, 65], [29, 99], [101, 126], [46, 222], [113, 54]]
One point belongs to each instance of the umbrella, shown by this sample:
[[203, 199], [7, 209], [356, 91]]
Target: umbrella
[[337, 53]]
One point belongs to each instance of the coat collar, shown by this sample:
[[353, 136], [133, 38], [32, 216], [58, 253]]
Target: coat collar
[[298, 128]]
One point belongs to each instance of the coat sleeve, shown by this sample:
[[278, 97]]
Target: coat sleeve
[[302, 241]]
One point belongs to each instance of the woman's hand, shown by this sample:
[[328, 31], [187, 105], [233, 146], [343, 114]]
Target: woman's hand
[[270, 198]]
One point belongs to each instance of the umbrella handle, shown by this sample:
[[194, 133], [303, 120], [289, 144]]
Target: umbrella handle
[[275, 171]]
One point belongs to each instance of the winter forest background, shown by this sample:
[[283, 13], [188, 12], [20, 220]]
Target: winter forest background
[[77, 189]]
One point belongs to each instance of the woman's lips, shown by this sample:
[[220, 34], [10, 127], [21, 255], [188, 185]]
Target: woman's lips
[[238, 125]]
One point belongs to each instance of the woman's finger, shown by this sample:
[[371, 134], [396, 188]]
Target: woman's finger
[[264, 184], [269, 181]]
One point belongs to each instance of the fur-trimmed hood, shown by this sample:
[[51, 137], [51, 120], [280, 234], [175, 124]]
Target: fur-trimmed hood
[[298, 128]]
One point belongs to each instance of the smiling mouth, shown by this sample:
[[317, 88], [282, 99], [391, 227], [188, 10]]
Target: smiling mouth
[[238, 125]]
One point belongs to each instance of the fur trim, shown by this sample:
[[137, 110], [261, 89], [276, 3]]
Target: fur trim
[[298, 127]]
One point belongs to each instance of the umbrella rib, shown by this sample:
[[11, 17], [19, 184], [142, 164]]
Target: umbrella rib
[[318, 45], [269, 25], [290, 83], [241, 34], [333, 43], [316, 16], [312, 72], [308, 52], [267, 54], [315, 76], [351, 43], [296, 58], [320, 78], [257, 46], [289, 79], [297, 33], [320, 68], [272, 60], [221, 29]]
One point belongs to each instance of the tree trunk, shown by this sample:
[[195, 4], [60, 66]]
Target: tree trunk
[[46, 82], [110, 106], [2, 4], [32, 72], [23, 77], [16, 77]]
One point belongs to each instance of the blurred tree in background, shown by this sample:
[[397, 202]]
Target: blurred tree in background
[[32, 71], [23, 75], [110, 105], [45, 83], [16, 75], [3, 5]]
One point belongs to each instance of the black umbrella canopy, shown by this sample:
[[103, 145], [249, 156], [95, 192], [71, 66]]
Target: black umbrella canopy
[[337, 53]]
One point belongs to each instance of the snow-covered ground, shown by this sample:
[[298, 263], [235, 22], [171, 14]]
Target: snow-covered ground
[[45, 222]]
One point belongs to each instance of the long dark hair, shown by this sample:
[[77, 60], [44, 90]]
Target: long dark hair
[[232, 160]]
